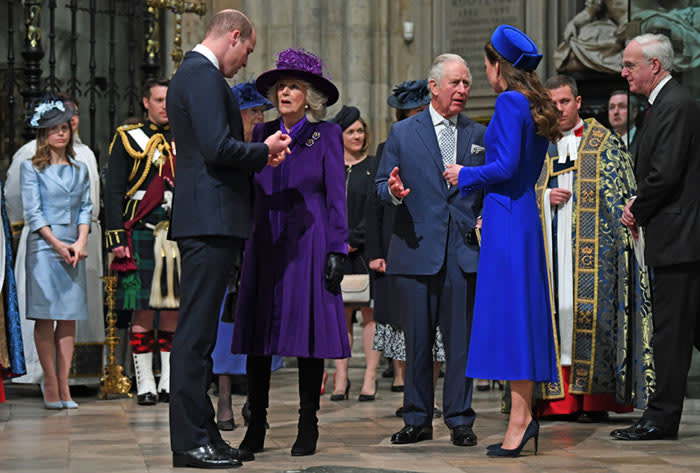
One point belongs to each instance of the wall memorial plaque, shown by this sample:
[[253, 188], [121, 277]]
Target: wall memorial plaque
[[467, 24]]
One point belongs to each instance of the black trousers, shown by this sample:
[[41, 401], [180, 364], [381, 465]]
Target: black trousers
[[676, 299], [206, 264]]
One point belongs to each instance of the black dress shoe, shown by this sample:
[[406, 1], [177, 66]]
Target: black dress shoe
[[396, 389], [146, 399], [413, 434], [644, 430], [399, 412], [463, 436], [163, 397], [205, 456], [223, 447], [437, 413]]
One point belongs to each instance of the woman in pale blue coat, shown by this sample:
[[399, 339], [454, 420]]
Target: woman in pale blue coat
[[56, 200]]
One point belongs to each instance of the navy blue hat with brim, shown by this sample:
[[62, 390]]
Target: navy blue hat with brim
[[410, 94], [516, 47], [50, 112], [249, 97]]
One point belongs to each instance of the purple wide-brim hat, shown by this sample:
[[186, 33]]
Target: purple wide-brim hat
[[300, 64]]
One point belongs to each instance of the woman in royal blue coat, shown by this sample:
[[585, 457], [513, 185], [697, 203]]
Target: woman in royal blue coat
[[512, 253]]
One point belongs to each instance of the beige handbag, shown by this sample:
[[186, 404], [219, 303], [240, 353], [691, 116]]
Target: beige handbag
[[355, 287]]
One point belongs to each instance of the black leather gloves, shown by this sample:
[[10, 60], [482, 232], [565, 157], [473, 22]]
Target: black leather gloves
[[334, 271]]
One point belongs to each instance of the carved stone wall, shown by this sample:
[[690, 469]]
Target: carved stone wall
[[362, 42]]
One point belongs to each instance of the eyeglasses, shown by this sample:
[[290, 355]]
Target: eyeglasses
[[630, 66]]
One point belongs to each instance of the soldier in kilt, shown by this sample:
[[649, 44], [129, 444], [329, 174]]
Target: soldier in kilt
[[138, 195]]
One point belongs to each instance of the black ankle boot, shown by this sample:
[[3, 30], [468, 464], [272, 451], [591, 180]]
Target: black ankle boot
[[307, 435], [254, 439], [258, 401]]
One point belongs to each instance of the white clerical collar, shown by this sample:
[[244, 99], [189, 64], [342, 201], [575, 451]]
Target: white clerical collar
[[654, 93], [439, 119], [567, 146], [207, 53]]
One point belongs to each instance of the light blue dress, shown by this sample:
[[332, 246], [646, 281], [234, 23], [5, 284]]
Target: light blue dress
[[512, 305], [57, 196]]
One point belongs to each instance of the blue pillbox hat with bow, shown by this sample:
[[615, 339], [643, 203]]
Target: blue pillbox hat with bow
[[516, 47]]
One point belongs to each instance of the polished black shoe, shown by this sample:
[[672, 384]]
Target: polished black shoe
[[437, 412], [399, 412], [163, 397], [146, 399], [205, 456], [644, 430], [226, 424], [413, 434], [397, 389], [463, 436], [224, 448]]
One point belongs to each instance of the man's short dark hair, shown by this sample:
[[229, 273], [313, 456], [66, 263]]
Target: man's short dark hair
[[150, 83], [560, 81], [229, 20]]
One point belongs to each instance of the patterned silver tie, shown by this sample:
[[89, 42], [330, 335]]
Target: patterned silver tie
[[447, 141]]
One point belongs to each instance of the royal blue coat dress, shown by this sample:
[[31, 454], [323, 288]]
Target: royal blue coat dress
[[299, 217], [512, 334]]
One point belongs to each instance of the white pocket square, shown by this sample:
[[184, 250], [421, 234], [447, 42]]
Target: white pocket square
[[476, 149]]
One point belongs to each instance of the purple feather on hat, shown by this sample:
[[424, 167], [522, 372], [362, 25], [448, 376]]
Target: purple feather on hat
[[302, 60]]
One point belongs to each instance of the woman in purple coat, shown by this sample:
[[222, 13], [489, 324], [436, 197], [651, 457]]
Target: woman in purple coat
[[289, 299]]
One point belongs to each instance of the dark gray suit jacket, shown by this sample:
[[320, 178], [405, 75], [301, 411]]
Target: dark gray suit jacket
[[667, 168]]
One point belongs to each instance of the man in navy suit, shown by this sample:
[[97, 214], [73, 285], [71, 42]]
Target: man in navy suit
[[433, 250], [211, 217]]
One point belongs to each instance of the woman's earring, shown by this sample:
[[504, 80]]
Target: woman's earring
[[306, 107]]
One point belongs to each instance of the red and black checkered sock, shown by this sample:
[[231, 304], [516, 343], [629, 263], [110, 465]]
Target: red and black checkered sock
[[165, 340], [141, 342]]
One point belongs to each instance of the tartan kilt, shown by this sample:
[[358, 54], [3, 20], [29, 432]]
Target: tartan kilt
[[134, 287]]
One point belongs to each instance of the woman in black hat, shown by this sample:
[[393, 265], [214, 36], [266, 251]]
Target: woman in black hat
[[359, 182], [57, 208]]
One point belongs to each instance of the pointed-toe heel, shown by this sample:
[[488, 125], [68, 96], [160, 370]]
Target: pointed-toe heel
[[369, 397], [344, 396], [53, 405], [71, 404], [531, 432]]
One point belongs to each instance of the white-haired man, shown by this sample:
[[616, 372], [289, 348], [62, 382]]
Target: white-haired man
[[433, 252], [667, 207]]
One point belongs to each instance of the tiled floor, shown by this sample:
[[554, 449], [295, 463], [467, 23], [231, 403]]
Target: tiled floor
[[120, 436]]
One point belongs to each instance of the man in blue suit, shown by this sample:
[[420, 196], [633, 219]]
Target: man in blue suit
[[211, 217], [433, 250]]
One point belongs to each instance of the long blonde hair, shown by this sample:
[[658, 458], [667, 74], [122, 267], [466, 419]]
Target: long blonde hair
[[544, 113], [42, 157]]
